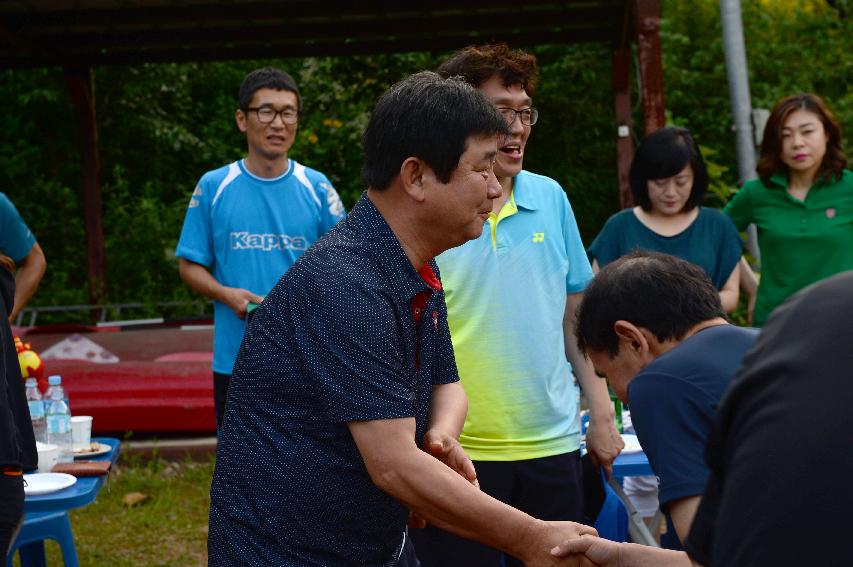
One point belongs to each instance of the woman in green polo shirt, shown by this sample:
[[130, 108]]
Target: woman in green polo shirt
[[802, 202]]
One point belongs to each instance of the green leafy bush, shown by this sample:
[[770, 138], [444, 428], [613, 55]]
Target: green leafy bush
[[161, 126]]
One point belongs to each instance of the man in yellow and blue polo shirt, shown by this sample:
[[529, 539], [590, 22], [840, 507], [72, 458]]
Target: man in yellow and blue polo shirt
[[510, 296]]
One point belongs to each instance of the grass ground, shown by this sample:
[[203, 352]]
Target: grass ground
[[168, 528]]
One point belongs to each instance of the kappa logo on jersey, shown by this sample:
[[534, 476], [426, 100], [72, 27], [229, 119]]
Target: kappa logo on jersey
[[267, 242], [336, 207], [193, 201]]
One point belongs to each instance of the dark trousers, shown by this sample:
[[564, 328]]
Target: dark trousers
[[407, 556], [11, 511], [550, 488], [220, 394]]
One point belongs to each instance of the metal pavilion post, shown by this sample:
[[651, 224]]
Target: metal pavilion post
[[624, 123], [736, 70], [80, 84], [647, 13]]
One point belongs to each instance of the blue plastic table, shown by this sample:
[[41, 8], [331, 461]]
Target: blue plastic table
[[81, 493], [632, 464]]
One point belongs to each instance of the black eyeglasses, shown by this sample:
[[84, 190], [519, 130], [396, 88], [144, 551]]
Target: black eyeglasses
[[528, 116], [266, 114]]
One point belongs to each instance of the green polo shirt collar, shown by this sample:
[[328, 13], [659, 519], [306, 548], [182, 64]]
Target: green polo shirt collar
[[780, 180]]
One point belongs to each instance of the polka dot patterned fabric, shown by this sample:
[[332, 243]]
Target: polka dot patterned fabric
[[333, 342]]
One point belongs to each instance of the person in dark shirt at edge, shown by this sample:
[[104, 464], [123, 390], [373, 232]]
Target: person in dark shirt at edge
[[17, 442], [779, 451], [344, 408]]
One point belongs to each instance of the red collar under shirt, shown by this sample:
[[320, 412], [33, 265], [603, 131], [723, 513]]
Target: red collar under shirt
[[419, 301]]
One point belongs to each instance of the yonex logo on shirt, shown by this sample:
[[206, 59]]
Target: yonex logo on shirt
[[267, 242], [538, 237]]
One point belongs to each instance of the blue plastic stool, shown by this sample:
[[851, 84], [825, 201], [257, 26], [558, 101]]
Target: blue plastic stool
[[38, 527], [612, 520]]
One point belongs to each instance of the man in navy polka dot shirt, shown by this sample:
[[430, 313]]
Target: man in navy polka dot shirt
[[345, 407]]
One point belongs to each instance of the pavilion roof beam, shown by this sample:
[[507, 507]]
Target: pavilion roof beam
[[278, 49], [73, 15], [101, 32], [338, 30]]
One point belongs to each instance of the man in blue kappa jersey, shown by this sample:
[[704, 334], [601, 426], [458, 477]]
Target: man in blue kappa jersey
[[249, 221]]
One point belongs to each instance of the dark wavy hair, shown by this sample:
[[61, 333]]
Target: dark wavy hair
[[662, 154], [770, 158], [478, 63]]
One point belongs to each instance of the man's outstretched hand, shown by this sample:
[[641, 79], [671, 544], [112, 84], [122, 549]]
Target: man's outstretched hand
[[542, 540], [593, 551], [603, 443]]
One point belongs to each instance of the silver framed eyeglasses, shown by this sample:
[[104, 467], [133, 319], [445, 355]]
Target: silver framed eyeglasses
[[528, 116], [267, 114]]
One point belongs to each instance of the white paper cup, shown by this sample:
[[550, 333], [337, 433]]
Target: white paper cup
[[48, 456], [81, 432]]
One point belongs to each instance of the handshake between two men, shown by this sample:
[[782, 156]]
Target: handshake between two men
[[537, 543]]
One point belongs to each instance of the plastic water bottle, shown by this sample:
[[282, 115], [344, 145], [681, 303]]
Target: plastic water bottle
[[37, 411], [55, 383], [59, 425]]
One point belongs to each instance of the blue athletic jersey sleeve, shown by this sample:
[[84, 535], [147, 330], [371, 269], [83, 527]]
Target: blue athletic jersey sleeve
[[16, 240], [331, 206], [196, 241]]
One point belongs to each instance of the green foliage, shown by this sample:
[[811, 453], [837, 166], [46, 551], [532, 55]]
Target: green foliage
[[162, 126], [134, 218], [338, 95], [575, 139], [791, 45], [173, 518], [719, 191]]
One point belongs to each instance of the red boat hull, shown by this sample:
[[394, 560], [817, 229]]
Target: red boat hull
[[162, 382]]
